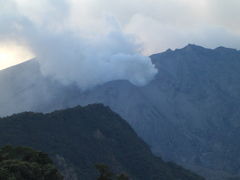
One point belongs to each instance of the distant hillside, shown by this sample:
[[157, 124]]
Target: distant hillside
[[80, 137]]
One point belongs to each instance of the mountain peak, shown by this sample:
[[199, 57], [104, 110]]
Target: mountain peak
[[193, 47], [224, 49]]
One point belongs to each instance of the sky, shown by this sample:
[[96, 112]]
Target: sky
[[153, 25]]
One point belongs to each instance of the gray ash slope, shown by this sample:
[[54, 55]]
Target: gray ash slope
[[188, 114]]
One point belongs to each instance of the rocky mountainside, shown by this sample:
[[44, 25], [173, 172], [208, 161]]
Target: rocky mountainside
[[81, 137], [188, 114]]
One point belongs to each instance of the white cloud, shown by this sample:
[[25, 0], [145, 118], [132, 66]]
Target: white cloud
[[162, 24]]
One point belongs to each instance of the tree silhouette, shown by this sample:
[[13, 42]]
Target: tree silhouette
[[106, 174], [21, 163]]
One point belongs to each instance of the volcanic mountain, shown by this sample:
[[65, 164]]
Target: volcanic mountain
[[188, 114]]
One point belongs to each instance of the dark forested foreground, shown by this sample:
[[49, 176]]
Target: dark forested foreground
[[21, 163], [79, 138]]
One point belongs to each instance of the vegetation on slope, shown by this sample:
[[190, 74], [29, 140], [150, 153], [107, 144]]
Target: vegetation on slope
[[80, 137], [21, 163]]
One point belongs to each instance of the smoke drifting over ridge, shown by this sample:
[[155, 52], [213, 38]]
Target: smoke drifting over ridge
[[74, 54]]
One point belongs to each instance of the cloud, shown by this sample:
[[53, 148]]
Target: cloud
[[163, 24], [158, 36], [182, 15], [174, 23]]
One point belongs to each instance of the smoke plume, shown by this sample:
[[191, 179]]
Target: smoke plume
[[87, 54]]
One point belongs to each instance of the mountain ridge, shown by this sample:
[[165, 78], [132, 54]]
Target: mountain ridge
[[80, 137]]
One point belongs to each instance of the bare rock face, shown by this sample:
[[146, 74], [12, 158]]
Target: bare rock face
[[188, 114]]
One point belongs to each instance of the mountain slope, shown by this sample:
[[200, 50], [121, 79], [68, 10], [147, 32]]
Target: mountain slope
[[188, 114], [80, 137]]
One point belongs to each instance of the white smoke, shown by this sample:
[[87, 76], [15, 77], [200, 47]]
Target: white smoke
[[73, 54], [92, 61]]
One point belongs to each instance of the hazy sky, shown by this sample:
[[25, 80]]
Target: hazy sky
[[155, 24]]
